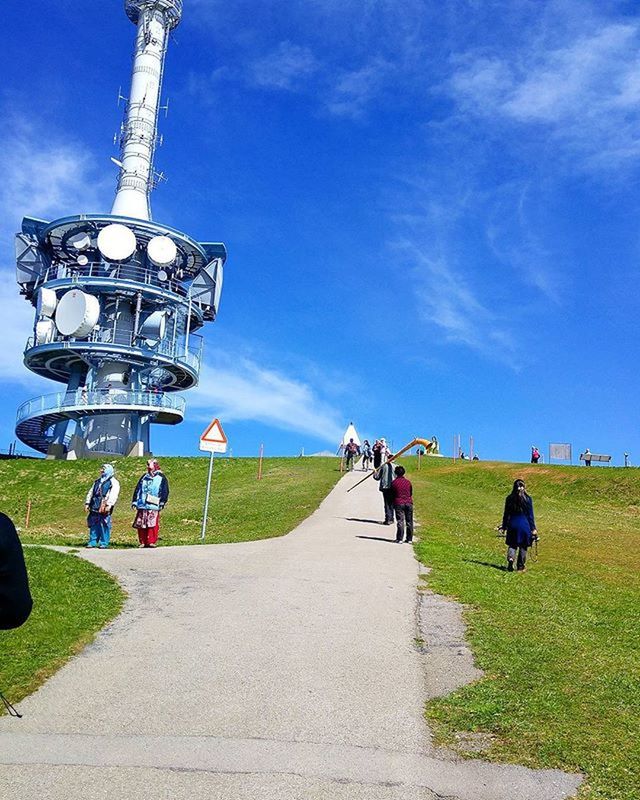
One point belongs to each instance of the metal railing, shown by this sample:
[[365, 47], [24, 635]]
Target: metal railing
[[90, 399], [174, 349], [135, 273]]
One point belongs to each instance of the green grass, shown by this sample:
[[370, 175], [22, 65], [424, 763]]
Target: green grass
[[560, 644], [241, 507], [66, 615]]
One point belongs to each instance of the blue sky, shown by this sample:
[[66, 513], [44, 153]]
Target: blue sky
[[431, 210]]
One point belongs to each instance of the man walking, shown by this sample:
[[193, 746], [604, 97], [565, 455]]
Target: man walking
[[385, 476], [402, 492], [351, 450]]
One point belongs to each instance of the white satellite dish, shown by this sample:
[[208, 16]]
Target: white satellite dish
[[45, 331], [154, 326], [163, 275], [116, 242], [82, 261], [46, 302], [162, 251], [80, 241], [77, 313], [219, 275]]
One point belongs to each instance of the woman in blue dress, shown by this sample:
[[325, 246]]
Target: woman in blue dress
[[519, 525]]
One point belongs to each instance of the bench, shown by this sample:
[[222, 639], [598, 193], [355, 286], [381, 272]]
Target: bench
[[595, 457]]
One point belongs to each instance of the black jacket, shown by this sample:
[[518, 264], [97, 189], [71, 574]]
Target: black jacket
[[15, 597]]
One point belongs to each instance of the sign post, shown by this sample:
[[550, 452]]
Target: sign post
[[213, 440]]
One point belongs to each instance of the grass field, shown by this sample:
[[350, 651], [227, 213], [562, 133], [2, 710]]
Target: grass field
[[72, 601], [241, 507], [560, 644]]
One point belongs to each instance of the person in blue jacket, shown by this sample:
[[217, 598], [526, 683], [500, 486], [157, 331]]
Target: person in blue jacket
[[519, 525], [149, 498]]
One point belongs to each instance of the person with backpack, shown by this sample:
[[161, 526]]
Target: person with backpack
[[351, 451], [519, 525], [385, 477], [402, 492], [149, 498], [99, 503], [366, 455]]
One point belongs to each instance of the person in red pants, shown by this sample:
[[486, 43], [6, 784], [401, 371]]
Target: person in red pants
[[149, 498]]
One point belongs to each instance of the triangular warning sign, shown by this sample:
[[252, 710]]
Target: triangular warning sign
[[214, 439]]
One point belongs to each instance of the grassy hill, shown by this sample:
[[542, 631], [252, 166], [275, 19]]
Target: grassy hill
[[560, 644], [241, 507]]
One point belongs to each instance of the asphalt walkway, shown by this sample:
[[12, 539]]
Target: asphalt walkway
[[281, 669]]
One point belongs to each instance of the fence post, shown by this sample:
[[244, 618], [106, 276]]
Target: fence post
[[26, 522], [260, 462]]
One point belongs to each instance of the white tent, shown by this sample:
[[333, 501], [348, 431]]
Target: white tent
[[350, 433]]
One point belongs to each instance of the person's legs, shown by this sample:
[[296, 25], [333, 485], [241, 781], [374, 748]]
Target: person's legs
[[105, 533], [142, 537], [400, 512], [522, 558], [94, 530], [152, 534], [408, 512], [511, 557], [388, 506]]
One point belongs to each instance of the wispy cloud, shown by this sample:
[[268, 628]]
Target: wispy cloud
[[42, 174], [353, 92], [584, 92], [239, 389], [288, 67]]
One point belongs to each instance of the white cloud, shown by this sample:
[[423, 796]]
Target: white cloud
[[585, 92], [448, 301], [241, 390], [354, 91], [286, 67]]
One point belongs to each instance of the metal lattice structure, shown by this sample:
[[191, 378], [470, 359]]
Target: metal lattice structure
[[118, 297]]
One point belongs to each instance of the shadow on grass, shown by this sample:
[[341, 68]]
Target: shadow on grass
[[485, 564]]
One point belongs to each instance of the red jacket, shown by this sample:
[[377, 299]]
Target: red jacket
[[402, 492]]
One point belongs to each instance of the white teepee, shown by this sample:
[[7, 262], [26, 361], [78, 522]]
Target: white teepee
[[351, 433]]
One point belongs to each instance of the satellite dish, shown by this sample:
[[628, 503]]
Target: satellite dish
[[163, 275], [45, 331], [219, 275], [77, 313], [82, 261], [154, 326], [46, 302], [79, 241], [116, 242], [162, 251]]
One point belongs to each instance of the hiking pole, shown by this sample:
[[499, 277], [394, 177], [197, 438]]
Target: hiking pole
[[12, 710], [427, 446]]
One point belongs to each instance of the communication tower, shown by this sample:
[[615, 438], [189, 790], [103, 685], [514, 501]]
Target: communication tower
[[118, 297]]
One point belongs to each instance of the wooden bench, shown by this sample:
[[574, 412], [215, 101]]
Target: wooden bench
[[595, 457]]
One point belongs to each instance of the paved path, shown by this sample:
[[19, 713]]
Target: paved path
[[271, 670]]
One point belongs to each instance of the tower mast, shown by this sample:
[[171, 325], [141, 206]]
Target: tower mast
[[155, 20]]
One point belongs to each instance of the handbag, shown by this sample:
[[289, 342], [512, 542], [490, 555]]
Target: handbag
[[152, 500]]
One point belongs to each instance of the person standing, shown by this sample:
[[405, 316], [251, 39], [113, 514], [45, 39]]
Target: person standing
[[385, 477], [149, 498], [377, 453], [587, 457], [535, 455], [519, 525], [99, 503], [402, 492], [351, 451], [366, 455]]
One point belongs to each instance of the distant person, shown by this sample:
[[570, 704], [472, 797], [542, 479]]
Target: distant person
[[149, 498], [519, 525], [535, 455], [402, 492], [367, 455], [15, 597], [476, 457], [385, 477], [377, 453], [587, 457], [351, 450], [99, 502]]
